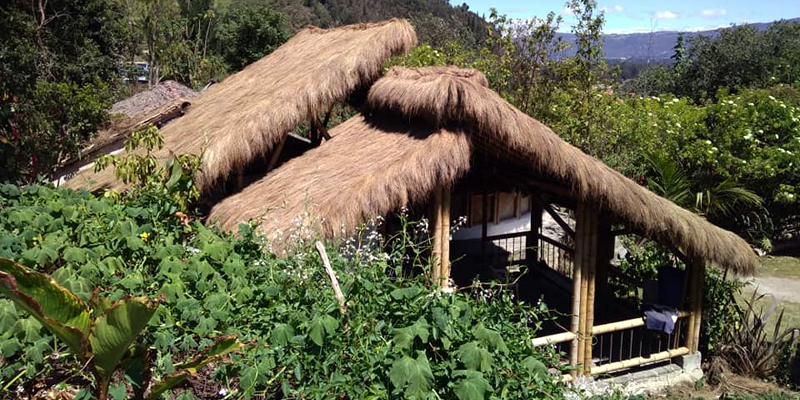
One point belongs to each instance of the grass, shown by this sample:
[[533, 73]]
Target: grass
[[791, 315], [781, 267], [778, 267]]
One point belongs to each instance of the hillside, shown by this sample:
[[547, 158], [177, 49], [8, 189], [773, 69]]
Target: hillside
[[436, 21], [655, 46]]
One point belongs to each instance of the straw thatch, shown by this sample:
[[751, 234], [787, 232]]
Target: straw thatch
[[242, 118], [373, 166], [152, 99]]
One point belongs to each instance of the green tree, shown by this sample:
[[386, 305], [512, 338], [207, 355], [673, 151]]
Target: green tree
[[54, 57], [247, 34]]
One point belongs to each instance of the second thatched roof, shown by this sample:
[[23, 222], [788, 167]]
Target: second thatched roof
[[422, 128], [243, 117]]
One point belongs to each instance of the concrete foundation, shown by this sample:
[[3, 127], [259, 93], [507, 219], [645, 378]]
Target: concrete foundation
[[656, 377]]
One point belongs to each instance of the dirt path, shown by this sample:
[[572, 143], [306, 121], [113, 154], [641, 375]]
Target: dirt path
[[782, 288]]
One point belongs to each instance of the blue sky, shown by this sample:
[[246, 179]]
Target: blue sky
[[625, 16]]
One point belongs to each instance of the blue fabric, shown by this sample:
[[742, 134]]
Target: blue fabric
[[660, 318]]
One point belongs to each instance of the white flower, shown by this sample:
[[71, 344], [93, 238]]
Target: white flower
[[751, 104], [708, 142], [771, 98], [678, 124]]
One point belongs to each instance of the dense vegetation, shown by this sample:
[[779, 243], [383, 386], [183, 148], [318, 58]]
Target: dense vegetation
[[717, 132], [395, 339]]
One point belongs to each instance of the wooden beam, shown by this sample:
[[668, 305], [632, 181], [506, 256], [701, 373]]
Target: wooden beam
[[517, 204], [496, 208], [484, 223], [532, 240], [276, 154], [559, 221]]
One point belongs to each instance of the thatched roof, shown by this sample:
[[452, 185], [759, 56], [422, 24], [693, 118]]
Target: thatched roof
[[243, 117], [380, 161], [152, 99]]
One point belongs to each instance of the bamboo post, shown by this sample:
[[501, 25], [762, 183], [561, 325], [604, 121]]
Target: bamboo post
[[444, 275], [577, 292], [437, 235], [592, 224], [695, 320]]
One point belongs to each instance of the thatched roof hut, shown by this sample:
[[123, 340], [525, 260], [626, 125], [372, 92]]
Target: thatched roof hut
[[242, 118], [152, 99], [425, 128]]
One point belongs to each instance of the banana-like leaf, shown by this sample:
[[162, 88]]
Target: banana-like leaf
[[116, 329], [55, 307], [217, 352]]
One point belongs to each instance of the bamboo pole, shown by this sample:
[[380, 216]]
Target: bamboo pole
[[553, 339], [697, 304], [437, 235], [627, 324], [444, 275], [693, 284], [337, 291], [664, 355], [592, 215], [577, 275]]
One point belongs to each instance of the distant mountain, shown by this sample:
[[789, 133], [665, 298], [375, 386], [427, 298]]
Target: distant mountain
[[656, 46]]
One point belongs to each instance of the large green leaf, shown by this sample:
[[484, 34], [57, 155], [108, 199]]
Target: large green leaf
[[217, 352], [472, 387], [412, 376], [51, 304], [475, 357], [115, 330]]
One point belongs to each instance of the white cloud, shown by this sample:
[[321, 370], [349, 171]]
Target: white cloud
[[566, 12], [714, 13], [665, 15], [615, 8]]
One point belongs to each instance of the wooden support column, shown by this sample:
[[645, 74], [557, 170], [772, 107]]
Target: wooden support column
[[586, 253], [436, 221], [532, 240], [444, 275], [697, 271], [276, 153], [592, 224], [577, 279], [484, 223]]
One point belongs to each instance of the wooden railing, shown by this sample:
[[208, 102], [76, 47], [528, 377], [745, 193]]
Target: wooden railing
[[556, 255], [625, 344]]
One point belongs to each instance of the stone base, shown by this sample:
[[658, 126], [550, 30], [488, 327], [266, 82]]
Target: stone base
[[689, 362], [657, 377]]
